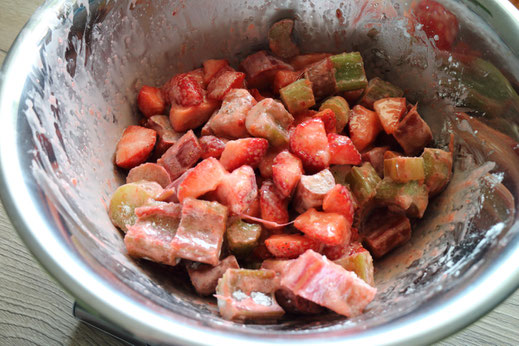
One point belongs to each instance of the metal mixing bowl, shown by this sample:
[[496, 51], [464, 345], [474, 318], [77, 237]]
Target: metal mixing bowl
[[68, 89]]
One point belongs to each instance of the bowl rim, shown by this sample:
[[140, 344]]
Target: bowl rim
[[498, 281]]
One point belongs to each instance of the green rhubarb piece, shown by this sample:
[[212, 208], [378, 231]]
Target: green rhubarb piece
[[412, 197], [349, 71], [242, 237], [363, 182], [128, 197], [340, 108], [270, 120], [298, 96], [280, 40], [404, 169], [340, 172], [437, 169], [379, 89], [361, 263]]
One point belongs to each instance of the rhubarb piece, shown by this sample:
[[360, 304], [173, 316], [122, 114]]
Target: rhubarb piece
[[328, 228], [150, 172], [340, 108], [287, 170], [340, 172], [437, 168], [376, 157], [223, 82], [212, 67], [353, 96], [323, 282], [280, 40], [363, 182], [238, 190], [270, 120], [413, 134], [290, 245], [349, 71], [299, 62], [211, 147], [386, 231], [404, 169], [359, 261], [412, 197], [312, 189], [282, 78], [242, 237], [390, 111], [260, 69], [322, 77], [182, 155], [378, 89], [150, 101], [229, 120], [185, 89], [328, 118], [150, 237], [248, 295], [134, 147], [128, 197], [298, 96], [296, 305], [205, 177], [340, 200], [364, 127], [167, 136], [342, 150], [245, 151], [274, 206], [204, 277], [309, 142], [184, 118], [200, 234]]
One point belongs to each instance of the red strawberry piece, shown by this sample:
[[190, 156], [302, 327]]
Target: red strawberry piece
[[364, 127], [238, 190], [184, 89], [274, 206], [290, 245], [303, 116], [211, 146], [438, 23], [328, 118], [204, 277], [150, 101], [340, 200], [135, 146], [256, 94], [265, 165], [184, 118], [205, 177], [310, 144], [181, 156], [167, 136], [254, 207], [329, 228], [390, 111], [245, 151], [287, 170], [260, 69], [150, 172], [212, 67], [223, 82], [299, 62], [282, 78], [342, 150]]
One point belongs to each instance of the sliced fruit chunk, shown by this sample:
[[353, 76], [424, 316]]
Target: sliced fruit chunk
[[184, 118], [260, 69], [181, 156], [340, 200], [238, 190], [376, 157], [287, 170], [282, 78], [328, 118], [299, 62], [297, 305], [150, 172], [321, 75], [290, 245], [379, 89], [412, 197], [150, 101], [323, 282], [280, 40], [223, 82], [211, 147], [298, 96], [340, 108], [265, 166], [212, 67], [364, 127], [359, 261], [404, 169], [274, 206], [134, 147], [185, 89], [438, 169], [349, 71], [342, 150], [167, 136], [270, 120], [390, 111], [312, 189], [328, 228], [413, 134], [245, 151], [205, 177], [204, 277], [363, 182], [386, 231], [200, 234], [309, 142], [242, 237]]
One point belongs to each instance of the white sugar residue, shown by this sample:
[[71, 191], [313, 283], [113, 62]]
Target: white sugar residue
[[261, 298], [239, 295]]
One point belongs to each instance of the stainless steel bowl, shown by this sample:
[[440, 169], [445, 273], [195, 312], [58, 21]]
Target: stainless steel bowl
[[68, 89]]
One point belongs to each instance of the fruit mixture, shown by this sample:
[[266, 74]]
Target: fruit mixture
[[269, 187]]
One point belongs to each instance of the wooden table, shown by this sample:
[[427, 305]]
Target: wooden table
[[34, 309]]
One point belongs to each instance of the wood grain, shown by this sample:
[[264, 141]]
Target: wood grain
[[35, 310]]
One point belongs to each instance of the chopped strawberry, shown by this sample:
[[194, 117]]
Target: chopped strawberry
[[390, 111], [303, 116], [212, 67], [184, 89], [254, 208], [282, 78], [211, 146], [340, 200], [310, 144], [342, 150], [238, 190], [299, 62], [328, 118], [290, 245], [265, 166], [329, 228], [205, 177], [274, 207], [364, 127], [260, 69], [335, 252], [150, 101], [256, 94], [223, 82], [287, 170], [245, 151], [150, 172], [184, 118], [181, 156], [135, 146], [439, 24]]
